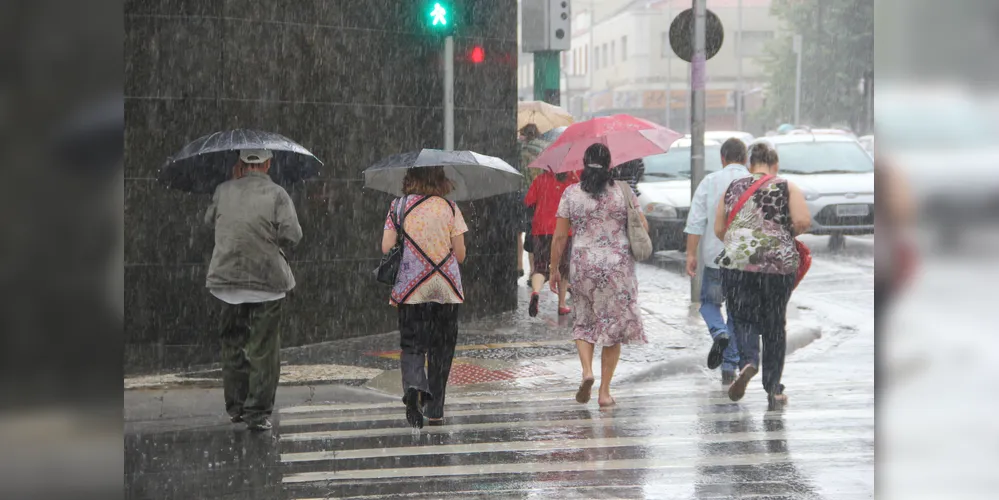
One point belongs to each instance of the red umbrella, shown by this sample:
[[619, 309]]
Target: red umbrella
[[627, 137]]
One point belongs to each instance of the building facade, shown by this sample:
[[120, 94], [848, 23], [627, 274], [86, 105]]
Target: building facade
[[351, 81], [624, 63]]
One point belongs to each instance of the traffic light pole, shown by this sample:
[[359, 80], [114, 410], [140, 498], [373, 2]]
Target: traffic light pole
[[697, 77], [449, 93], [547, 72]]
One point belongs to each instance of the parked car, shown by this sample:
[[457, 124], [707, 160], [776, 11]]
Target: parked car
[[724, 135], [836, 176], [867, 142], [665, 189]]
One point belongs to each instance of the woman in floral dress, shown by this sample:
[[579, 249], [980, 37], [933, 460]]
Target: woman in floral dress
[[604, 288]]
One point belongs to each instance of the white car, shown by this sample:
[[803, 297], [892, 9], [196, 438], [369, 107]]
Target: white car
[[837, 177], [867, 142], [665, 191], [724, 135], [834, 172]]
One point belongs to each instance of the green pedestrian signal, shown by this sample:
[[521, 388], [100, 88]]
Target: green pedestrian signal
[[439, 16]]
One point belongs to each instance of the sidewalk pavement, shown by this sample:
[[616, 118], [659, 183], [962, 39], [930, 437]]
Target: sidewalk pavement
[[508, 351]]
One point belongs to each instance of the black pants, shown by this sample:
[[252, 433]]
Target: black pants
[[757, 307], [428, 335], [251, 358]]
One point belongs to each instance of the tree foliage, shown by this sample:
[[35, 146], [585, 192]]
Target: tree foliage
[[837, 51]]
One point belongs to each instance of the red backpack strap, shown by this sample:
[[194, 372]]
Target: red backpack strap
[[745, 197]]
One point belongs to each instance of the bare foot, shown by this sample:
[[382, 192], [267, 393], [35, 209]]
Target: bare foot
[[606, 401]]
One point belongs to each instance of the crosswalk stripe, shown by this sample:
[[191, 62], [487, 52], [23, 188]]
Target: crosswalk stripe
[[565, 405], [543, 467], [536, 397], [568, 405], [566, 423], [573, 444]]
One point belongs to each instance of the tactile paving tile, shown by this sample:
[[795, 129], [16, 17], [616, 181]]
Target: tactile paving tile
[[467, 373]]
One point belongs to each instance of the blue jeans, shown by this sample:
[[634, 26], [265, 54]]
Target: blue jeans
[[712, 296]]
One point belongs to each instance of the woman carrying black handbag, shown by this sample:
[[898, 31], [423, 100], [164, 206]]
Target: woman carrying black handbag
[[428, 289]]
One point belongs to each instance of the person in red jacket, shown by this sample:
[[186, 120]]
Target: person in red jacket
[[544, 196]]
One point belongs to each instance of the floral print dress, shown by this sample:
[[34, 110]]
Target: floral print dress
[[602, 269], [759, 239]]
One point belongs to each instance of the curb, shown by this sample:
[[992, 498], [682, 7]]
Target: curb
[[800, 338]]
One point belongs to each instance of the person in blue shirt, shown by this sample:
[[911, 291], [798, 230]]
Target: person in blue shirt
[[704, 245]]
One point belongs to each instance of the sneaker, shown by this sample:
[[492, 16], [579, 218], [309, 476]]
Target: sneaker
[[532, 308], [728, 376], [717, 349], [263, 425]]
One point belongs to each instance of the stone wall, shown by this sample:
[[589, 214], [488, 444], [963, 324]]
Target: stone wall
[[353, 81]]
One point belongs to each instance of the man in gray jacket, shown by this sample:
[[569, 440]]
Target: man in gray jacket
[[253, 217]]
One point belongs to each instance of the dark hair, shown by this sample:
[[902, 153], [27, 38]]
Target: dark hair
[[762, 153], [595, 180], [530, 131], [733, 151], [561, 176], [429, 181]]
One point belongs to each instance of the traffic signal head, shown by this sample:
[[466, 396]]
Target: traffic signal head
[[438, 16], [477, 54]]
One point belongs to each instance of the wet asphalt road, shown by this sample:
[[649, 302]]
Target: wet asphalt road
[[679, 437]]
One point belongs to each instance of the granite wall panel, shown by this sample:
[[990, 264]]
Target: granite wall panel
[[353, 81]]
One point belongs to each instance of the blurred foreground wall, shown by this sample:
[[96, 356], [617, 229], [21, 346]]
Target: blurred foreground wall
[[352, 81]]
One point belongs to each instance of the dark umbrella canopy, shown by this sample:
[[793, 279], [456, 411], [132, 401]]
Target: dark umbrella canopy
[[474, 175], [207, 162]]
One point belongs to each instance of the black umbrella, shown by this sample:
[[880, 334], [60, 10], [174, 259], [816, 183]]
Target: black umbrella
[[207, 162]]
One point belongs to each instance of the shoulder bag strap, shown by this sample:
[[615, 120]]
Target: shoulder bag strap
[[745, 197], [400, 218], [626, 192]]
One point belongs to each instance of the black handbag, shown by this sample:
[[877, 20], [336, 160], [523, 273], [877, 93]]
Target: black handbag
[[388, 268]]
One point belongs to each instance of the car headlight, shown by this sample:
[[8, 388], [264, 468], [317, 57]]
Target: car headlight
[[660, 210]]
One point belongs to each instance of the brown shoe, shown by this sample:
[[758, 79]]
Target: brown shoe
[[738, 388]]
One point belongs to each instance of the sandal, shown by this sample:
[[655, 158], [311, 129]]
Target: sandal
[[532, 308], [738, 388], [435, 421], [777, 400], [564, 311], [583, 394]]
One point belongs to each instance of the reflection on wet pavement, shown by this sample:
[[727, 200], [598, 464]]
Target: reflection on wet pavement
[[677, 439]]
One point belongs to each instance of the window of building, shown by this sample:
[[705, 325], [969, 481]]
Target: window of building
[[603, 55], [624, 48], [596, 58], [754, 42], [613, 53], [666, 49]]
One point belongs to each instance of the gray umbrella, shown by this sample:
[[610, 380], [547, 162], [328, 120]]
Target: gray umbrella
[[474, 176], [207, 162]]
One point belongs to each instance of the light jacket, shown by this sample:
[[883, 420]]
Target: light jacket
[[253, 218]]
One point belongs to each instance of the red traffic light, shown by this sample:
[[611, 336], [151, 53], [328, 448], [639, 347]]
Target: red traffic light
[[477, 55]]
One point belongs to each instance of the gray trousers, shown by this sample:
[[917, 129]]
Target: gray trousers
[[428, 335], [251, 358]]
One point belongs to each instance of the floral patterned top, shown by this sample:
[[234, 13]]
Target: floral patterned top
[[759, 239], [429, 271]]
